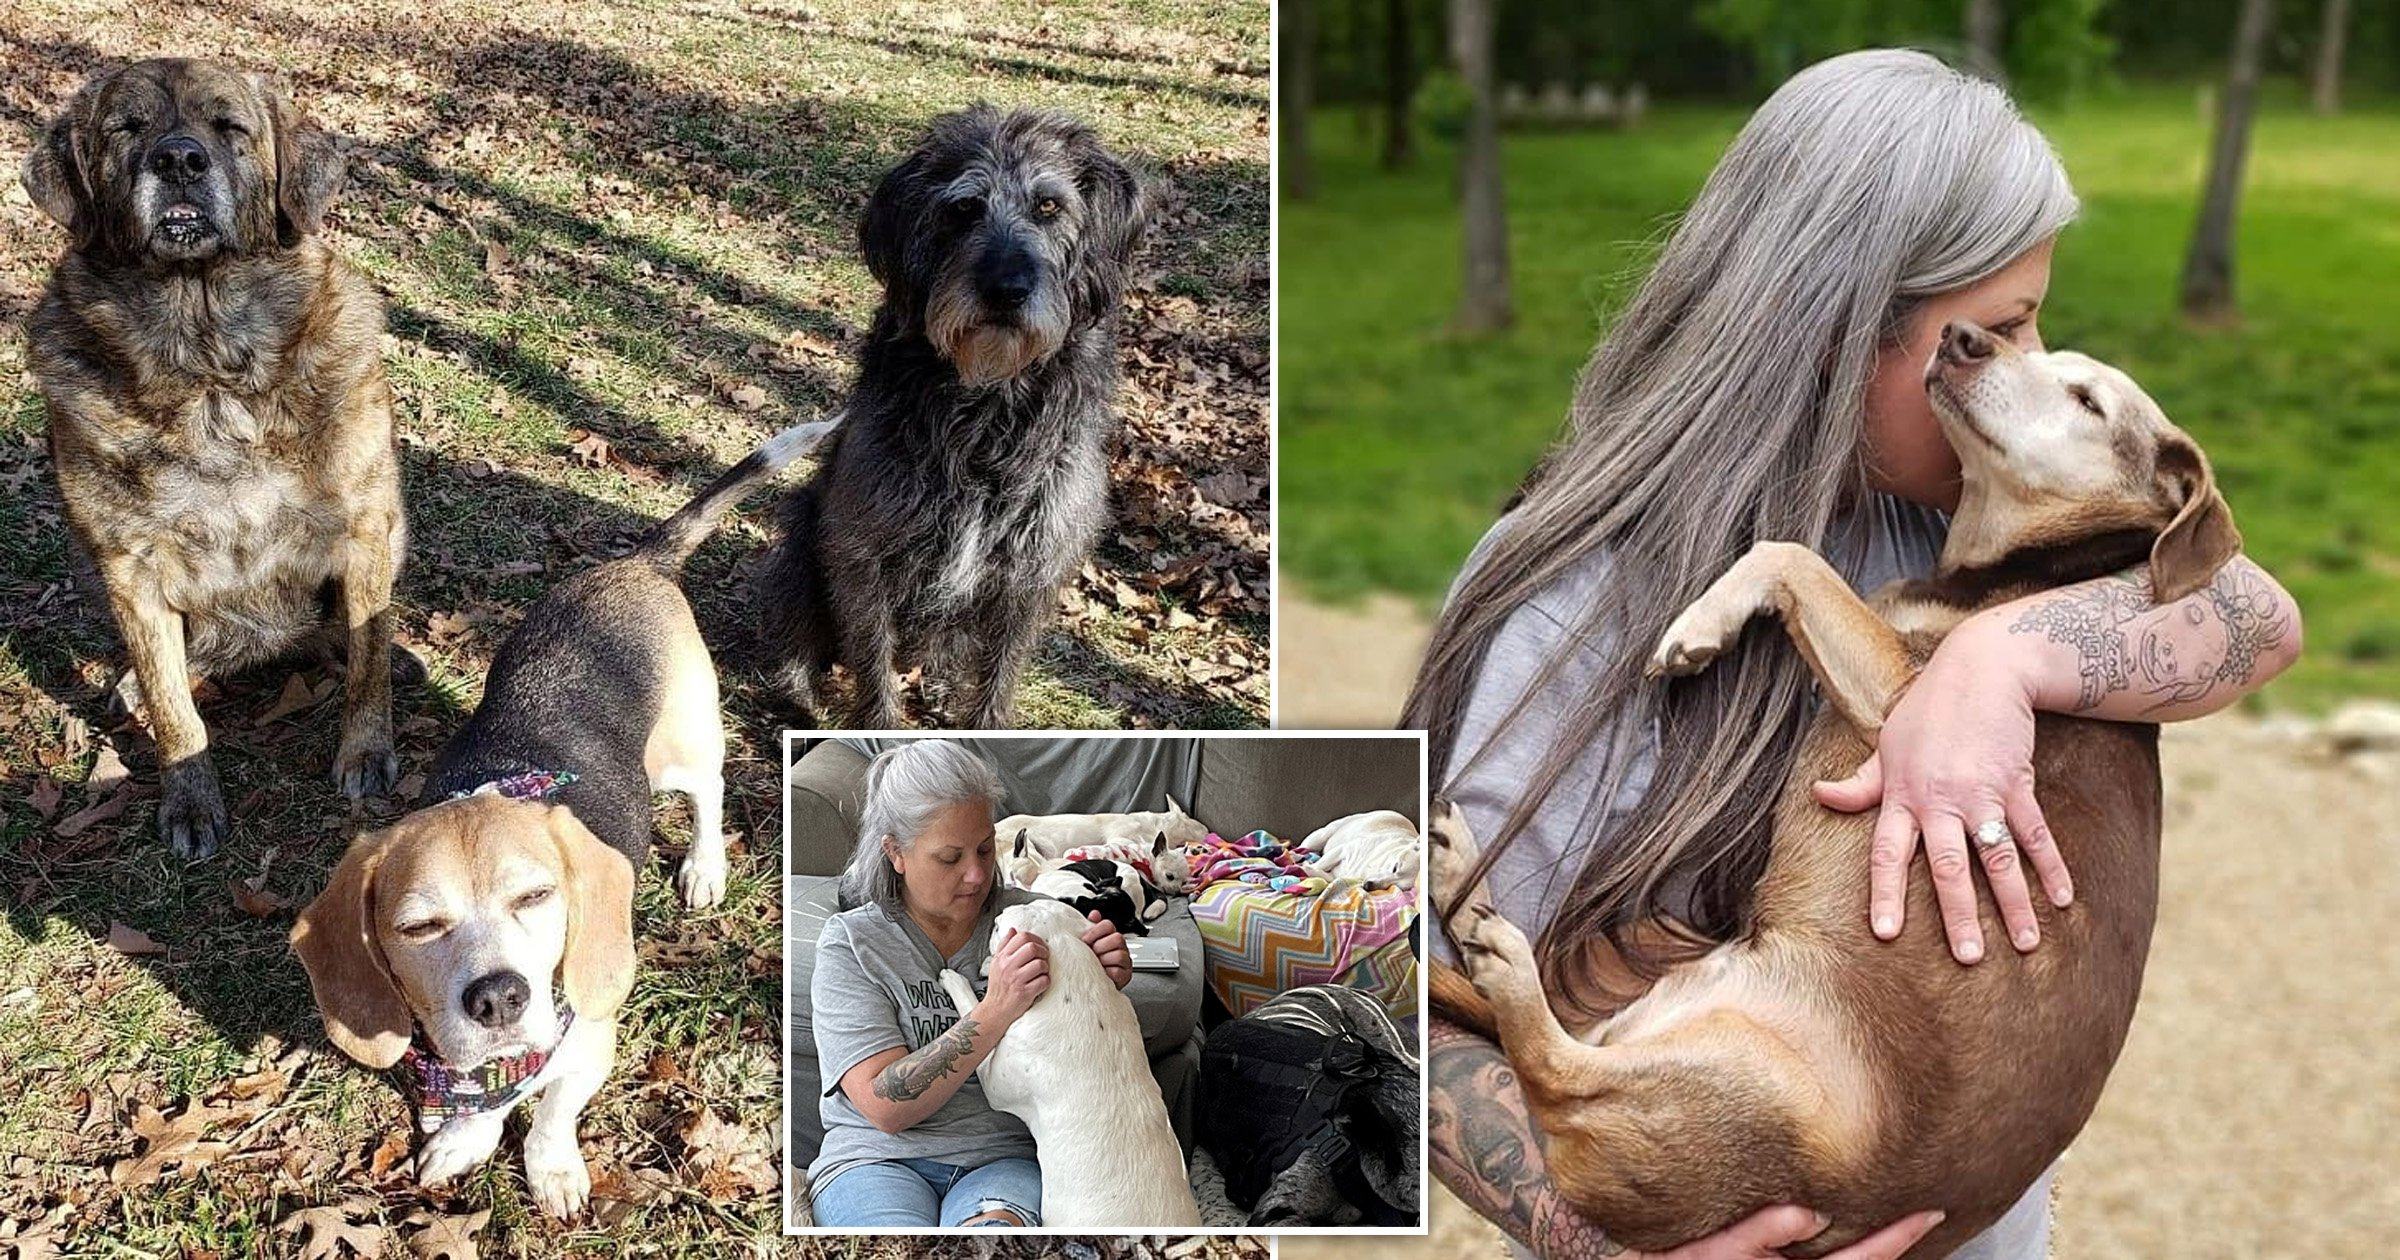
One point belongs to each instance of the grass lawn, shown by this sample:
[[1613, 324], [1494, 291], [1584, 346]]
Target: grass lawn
[[1399, 442], [628, 221]]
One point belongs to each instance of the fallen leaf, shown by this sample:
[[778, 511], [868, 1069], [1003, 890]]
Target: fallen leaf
[[445, 1237], [591, 450], [108, 772], [733, 1162], [45, 796], [390, 1152], [132, 942], [747, 397], [77, 823], [171, 1145], [322, 1232], [296, 695]]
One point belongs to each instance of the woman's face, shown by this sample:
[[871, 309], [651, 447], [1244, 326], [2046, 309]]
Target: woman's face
[[1906, 453], [949, 869]]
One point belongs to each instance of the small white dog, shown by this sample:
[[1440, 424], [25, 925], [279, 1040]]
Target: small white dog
[[1073, 1070], [1163, 866], [1053, 834], [1381, 848]]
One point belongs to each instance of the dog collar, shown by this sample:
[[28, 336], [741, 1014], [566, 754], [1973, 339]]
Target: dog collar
[[1081, 852], [443, 1093], [532, 785]]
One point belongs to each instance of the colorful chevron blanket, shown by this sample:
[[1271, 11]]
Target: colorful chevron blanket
[[1267, 929]]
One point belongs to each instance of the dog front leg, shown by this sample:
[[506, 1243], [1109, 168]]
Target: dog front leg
[[1857, 657], [191, 807], [364, 765], [998, 661], [868, 641], [554, 1166], [460, 1146], [1493, 953]]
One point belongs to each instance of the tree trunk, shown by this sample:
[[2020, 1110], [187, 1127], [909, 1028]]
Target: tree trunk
[[1295, 58], [2325, 86], [2208, 267], [1399, 85], [1984, 54], [1484, 304]]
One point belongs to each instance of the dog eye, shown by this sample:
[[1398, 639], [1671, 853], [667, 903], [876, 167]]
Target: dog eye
[[528, 900], [227, 126], [423, 929], [965, 209], [1047, 208], [2085, 400], [128, 126]]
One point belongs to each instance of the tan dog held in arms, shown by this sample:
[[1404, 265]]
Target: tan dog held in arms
[[219, 419], [1808, 1062]]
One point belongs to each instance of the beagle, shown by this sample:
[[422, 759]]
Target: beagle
[[484, 943]]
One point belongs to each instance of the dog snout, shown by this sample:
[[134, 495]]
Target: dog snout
[[496, 1000], [178, 160], [1007, 280], [1965, 345]]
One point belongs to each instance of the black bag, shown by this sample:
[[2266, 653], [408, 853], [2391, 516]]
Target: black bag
[[1309, 1108]]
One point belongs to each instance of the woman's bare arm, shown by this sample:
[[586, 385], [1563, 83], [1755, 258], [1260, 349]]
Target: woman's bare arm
[[2103, 649], [896, 1088], [1484, 1147]]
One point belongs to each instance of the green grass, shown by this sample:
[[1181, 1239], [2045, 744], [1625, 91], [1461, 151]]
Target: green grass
[[2298, 405], [606, 217]]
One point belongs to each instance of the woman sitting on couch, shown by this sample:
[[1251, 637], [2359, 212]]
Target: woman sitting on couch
[[909, 1139]]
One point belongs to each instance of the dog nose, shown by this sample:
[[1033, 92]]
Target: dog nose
[[1963, 343], [1008, 291], [179, 159], [496, 1000]]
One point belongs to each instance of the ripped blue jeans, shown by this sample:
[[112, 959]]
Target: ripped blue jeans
[[928, 1192]]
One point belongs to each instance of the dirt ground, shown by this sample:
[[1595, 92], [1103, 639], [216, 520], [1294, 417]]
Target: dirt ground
[[2256, 1110]]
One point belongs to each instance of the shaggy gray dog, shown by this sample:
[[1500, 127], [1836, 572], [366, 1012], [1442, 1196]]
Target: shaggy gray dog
[[970, 477]]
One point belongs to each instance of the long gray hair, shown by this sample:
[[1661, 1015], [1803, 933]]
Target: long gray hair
[[1727, 406], [906, 787]]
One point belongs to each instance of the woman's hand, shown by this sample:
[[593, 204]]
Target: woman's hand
[[1020, 974], [1760, 1236], [1956, 756], [1108, 944]]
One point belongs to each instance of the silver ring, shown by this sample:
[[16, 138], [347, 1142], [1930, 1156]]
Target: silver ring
[[1993, 834]]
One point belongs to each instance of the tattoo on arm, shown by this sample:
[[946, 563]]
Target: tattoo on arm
[[908, 1077], [1486, 1150], [2173, 654]]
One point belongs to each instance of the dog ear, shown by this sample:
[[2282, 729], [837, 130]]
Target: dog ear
[[309, 168], [2202, 537], [1024, 841], [888, 227], [365, 1015], [1117, 210], [54, 174], [1158, 847], [597, 969]]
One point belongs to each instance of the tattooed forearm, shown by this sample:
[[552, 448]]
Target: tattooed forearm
[[2170, 654], [911, 1075], [1485, 1149]]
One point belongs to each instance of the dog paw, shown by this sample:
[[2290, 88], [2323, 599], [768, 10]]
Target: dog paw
[[1450, 852], [455, 1150], [408, 668], [560, 1182], [700, 881], [1688, 645], [191, 809], [366, 767]]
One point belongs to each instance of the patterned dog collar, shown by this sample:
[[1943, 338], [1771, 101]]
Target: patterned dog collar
[[532, 785], [443, 1093]]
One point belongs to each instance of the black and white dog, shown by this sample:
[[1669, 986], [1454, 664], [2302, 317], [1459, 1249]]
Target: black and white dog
[[970, 478]]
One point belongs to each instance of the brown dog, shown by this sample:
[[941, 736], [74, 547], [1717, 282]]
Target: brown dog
[[219, 418], [1807, 1062]]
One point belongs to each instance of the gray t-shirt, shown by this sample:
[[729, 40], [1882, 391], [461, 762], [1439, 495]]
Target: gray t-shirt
[[1496, 754], [877, 985]]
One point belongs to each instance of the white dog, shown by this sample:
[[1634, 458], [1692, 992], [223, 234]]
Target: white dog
[[1100, 1131], [1053, 834], [1165, 868], [1380, 848]]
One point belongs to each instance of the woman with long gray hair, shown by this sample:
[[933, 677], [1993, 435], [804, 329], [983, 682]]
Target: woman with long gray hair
[[1767, 382], [909, 1136]]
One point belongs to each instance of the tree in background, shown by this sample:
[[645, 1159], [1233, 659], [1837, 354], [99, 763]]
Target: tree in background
[[1399, 85], [2325, 85], [1295, 99], [2208, 266], [1985, 54], [1484, 304]]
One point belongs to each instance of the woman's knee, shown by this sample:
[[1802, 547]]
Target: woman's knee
[[993, 1216]]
